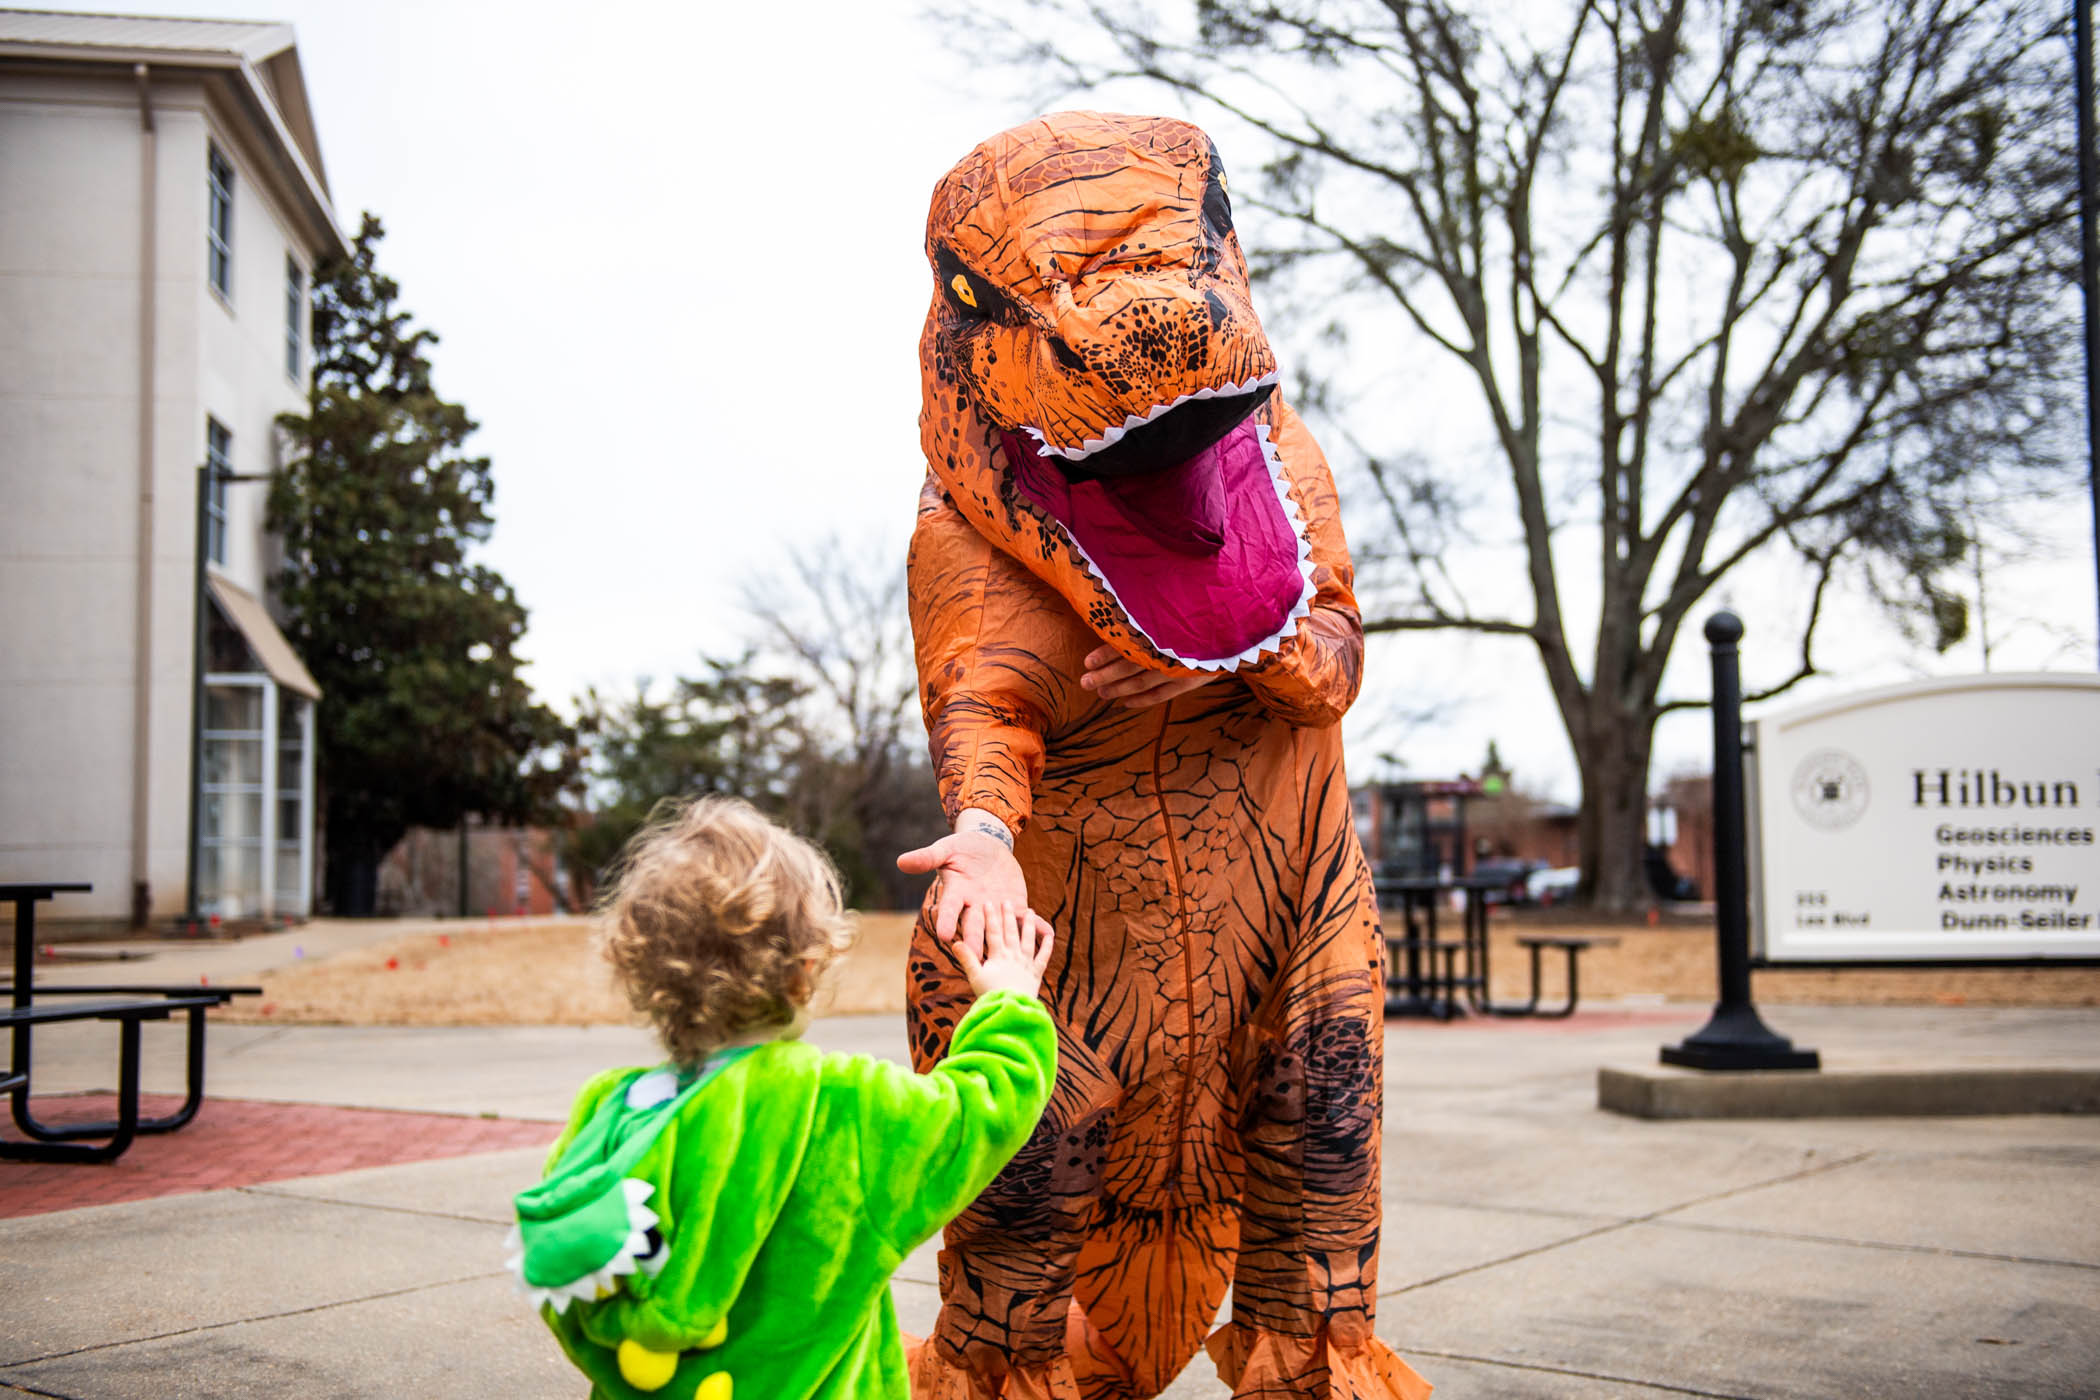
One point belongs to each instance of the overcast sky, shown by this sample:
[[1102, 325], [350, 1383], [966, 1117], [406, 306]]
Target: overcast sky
[[674, 255]]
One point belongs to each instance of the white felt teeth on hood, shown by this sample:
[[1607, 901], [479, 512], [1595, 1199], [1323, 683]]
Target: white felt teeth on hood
[[600, 1281], [1280, 480], [1115, 435]]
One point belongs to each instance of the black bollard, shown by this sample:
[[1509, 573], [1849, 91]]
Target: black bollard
[[1735, 1037]]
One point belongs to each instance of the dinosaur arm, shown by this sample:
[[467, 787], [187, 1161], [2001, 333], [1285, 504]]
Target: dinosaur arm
[[930, 1143], [988, 636], [1312, 679]]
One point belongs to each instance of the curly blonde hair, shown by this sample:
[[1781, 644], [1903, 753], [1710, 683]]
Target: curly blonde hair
[[719, 922]]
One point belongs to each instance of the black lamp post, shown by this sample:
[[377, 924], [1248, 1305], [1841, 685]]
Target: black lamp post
[[1736, 1037]]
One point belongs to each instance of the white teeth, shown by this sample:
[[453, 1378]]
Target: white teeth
[[1115, 435], [602, 1280], [1280, 480]]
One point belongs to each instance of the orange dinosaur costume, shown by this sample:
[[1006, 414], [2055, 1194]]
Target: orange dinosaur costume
[[1108, 462]]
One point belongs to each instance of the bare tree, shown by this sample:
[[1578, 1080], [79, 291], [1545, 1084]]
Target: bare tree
[[833, 614], [1725, 277]]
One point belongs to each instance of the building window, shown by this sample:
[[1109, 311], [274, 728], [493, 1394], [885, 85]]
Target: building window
[[220, 233], [254, 795], [294, 316], [292, 888], [218, 456], [234, 834]]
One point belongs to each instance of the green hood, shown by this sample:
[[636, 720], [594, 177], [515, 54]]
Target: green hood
[[604, 1231], [786, 1189]]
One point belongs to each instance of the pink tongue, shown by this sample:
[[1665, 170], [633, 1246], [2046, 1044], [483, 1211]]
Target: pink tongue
[[1181, 508], [1201, 556]]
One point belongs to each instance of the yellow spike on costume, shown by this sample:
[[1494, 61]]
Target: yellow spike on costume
[[649, 1370], [716, 1335], [715, 1387]]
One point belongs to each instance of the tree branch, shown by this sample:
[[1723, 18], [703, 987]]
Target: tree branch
[[1826, 564]]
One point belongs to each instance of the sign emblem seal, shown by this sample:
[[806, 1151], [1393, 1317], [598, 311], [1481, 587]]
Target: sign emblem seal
[[1830, 789]]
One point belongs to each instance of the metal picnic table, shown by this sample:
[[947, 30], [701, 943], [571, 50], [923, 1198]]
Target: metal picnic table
[[1431, 975], [128, 1006]]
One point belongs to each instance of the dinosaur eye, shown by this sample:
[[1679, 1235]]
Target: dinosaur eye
[[969, 294]]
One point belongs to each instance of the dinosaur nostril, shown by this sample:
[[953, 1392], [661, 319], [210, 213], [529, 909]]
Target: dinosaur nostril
[[1066, 355]]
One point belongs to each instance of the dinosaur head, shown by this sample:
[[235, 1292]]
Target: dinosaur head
[[1096, 382]]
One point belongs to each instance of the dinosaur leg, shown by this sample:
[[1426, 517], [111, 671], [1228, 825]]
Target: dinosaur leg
[[1010, 1258], [1148, 1288], [1305, 1285], [1001, 1334]]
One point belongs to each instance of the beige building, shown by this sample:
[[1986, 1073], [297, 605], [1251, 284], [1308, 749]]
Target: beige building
[[162, 207]]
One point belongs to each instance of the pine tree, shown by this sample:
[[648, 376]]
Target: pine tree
[[424, 718]]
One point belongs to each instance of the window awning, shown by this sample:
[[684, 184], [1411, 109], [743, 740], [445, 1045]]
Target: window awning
[[272, 652]]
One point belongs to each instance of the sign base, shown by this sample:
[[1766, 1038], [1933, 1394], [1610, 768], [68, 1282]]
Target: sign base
[[1737, 1038]]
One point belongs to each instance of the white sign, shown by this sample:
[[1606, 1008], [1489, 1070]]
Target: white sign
[[1952, 819]]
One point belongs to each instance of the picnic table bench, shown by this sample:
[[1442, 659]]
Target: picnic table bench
[[1574, 945], [1428, 974], [1423, 976], [128, 1006]]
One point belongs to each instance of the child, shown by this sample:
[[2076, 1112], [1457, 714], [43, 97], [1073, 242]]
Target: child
[[730, 1220]]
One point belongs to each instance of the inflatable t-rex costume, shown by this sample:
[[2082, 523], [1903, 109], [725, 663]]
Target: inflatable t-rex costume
[[1109, 463]]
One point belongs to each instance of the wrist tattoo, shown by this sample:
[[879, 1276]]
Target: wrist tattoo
[[995, 831]]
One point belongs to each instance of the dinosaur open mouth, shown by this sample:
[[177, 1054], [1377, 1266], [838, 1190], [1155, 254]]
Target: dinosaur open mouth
[[1172, 432], [1207, 556]]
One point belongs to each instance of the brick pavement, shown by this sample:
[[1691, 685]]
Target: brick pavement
[[240, 1142], [1589, 1016]]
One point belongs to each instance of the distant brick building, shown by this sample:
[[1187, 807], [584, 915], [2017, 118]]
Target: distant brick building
[[1448, 827], [509, 871], [1682, 823]]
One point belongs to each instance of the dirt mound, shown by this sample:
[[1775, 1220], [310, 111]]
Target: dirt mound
[[533, 975], [547, 975]]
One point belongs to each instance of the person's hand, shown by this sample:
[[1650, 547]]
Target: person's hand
[[1111, 677], [978, 872], [1016, 950]]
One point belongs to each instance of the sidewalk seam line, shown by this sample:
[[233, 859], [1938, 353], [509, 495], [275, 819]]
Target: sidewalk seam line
[[274, 1033], [1893, 1246], [1799, 1174], [263, 1189], [1544, 1212], [245, 1321], [32, 1390], [1566, 1371], [1507, 1258], [1628, 1223]]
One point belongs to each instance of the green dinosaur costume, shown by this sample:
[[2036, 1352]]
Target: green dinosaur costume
[[740, 1226]]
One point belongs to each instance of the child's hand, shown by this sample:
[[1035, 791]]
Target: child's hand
[[1016, 950]]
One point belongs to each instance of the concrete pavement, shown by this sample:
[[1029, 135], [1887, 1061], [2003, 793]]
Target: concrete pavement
[[1534, 1245]]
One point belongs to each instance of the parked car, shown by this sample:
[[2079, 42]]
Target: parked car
[[1515, 876], [1555, 885], [1664, 881]]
